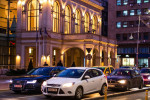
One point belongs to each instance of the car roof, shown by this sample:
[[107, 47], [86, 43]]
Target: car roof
[[124, 69], [102, 66], [81, 68], [145, 68]]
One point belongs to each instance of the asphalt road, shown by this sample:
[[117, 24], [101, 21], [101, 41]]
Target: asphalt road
[[10, 95]]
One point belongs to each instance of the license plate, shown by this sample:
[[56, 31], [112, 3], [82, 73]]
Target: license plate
[[52, 89], [111, 85], [18, 86]]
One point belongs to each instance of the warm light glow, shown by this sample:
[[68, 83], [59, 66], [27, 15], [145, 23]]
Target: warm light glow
[[63, 5], [74, 8], [91, 15], [41, 1], [30, 50], [51, 2], [19, 2], [83, 12], [43, 60], [99, 20], [18, 59], [54, 52], [23, 3], [48, 59]]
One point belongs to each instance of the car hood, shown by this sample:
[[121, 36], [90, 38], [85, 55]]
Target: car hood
[[31, 77], [116, 77], [145, 74], [60, 80]]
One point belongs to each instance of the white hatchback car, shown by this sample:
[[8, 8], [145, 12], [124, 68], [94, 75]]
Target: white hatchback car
[[75, 81]]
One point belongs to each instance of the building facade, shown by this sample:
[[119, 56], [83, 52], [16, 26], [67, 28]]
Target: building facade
[[8, 20], [128, 22], [49, 31]]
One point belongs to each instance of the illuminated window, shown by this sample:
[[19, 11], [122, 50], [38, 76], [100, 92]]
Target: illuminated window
[[33, 15], [138, 1], [131, 12], [56, 17], [118, 24], [125, 13], [94, 25], [139, 12], [146, 1], [125, 2], [125, 24], [77, 21], [86, 23], [67, 19], [118, 2], [128, 62]]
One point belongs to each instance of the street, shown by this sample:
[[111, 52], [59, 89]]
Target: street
[[123, 95]]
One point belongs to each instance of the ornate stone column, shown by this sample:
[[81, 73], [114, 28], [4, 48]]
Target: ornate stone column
[[82, 29], [113, 62], [73, 23], [90, 26]]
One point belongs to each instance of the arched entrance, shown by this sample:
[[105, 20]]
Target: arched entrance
[[75, 55], [95, 58]]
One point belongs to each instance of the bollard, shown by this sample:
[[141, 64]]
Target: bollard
[[146, 96], [105, 97]]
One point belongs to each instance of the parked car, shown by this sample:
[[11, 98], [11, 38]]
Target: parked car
[[75, 81], [125, 78], [130, 67], [145, 72], [106, 69], [33, 79]]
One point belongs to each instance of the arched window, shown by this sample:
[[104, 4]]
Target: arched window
[[67, 19], [94, 25], [56, 17], [86, 23], [33, 15], [77, 21]]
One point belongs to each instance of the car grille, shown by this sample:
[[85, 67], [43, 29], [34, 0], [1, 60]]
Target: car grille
[[19, 81], [29, 86], [54, 85], [111, 81]]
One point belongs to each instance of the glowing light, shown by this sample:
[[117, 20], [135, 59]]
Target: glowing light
[[23, 3], [18, 59], [91, 15], [41, 1], [83, 12], [54, 52], [19, 2], [30, 50]]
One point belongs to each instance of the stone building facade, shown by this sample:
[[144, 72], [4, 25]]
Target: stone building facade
[[49, 31]]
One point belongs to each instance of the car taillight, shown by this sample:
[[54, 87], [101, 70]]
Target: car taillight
[[145, 77]]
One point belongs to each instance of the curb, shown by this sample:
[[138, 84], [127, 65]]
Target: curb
[[117, 94]]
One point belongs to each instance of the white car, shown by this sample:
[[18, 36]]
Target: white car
[[75, 81]]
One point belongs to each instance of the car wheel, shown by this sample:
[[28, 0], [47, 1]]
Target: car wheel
[[47, 96], [102, 91], [79, 93], [17, 91], [127, 87], [141, 85]]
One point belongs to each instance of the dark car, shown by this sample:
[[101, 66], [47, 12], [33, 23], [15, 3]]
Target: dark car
[[130, 67], [125, 79], [33, 79], [145, 72]]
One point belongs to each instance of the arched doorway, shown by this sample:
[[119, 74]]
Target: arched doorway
[[104, 58], [75, 55]]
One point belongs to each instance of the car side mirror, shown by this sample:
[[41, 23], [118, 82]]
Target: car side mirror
[[87, 77]]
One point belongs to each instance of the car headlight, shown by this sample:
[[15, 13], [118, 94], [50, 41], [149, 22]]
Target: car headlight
[[10, 81], [44, 83], [149, 77], [32, 81], [122, 81], [68, 84]]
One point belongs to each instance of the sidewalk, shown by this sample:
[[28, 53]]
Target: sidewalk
[[4, 84]]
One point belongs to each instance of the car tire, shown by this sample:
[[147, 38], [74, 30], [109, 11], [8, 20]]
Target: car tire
[[102, 91], [141, 85], [79, 93], [127, 87], [47, 96], [17, 91]]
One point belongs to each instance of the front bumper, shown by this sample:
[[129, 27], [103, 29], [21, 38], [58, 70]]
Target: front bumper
[[59, 91], [25, 87]]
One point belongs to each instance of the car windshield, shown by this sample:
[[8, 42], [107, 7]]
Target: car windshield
[[121, 72], [145, 70], [40, 71], [71, 73], [126, 67]]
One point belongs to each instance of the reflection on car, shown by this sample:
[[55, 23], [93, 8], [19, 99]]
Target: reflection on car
[[33, 79], [145, 72], [75, 81], [106, 69], [125, 79]]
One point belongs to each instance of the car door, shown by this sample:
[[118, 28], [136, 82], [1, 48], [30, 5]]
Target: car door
[[88, 84], [139, 78], [98, 79], [133, 79]]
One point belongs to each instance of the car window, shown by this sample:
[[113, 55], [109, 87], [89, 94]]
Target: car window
[[145, 70], [107, 70], [112, 69], [96, 73], [137, 72], [121, 72], [133, 73], [89, 73]]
